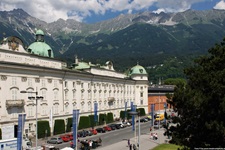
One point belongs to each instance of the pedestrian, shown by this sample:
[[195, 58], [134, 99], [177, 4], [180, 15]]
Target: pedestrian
[[130, 146], [151, 136], [128, 143], [150, 129], [134, 147], [156, 136], [90, 144], [71, 144]]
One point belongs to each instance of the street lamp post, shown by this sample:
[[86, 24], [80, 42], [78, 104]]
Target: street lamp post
[[165, 115], [159, 112], [36, 98], [134, 113]]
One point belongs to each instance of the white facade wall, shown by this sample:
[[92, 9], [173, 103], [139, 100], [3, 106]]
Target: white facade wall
[[63, 90]]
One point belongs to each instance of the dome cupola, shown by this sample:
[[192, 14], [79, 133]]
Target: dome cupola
[[39, 47]]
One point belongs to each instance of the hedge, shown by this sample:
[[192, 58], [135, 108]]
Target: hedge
[[42, 127], [69, 124], [92, 121], [110, 117], [59, 127], [102, 119], [84, 122], [142, 111], [122, 114]]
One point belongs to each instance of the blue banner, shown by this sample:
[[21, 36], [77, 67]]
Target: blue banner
[[96, 112], [21, 121], [133, 108], [152, 113], [75, 124], [125, 111]]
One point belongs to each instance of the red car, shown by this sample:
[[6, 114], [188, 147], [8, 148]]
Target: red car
[[94, 131], [70, 136], [107, 128], [65, 138]]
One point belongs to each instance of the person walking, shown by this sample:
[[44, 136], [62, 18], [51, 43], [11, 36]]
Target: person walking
[[156, 136], [128, 143], [130, 147]]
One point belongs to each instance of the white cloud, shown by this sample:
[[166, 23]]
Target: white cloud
[[220, 5], [52, 10], [176, 5]]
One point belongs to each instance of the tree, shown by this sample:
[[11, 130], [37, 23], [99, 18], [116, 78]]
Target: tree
[[200, 103]]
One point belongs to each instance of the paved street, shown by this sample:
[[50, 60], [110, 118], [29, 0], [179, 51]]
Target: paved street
[[145, 142]]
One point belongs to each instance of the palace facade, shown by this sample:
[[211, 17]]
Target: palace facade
[[58, 88]]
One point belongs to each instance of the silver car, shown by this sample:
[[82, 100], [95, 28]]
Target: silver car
[[55, 140]]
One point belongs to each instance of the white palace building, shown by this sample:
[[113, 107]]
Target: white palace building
[[36, 71]]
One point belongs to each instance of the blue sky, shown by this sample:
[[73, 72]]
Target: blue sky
[[91, 11]]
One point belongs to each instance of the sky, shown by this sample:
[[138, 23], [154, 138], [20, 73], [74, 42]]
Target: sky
[[91, 11]]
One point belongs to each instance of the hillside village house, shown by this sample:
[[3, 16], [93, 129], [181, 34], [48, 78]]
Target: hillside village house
[[63, 88]]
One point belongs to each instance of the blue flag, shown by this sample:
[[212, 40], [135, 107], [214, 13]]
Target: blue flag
[[125, 111], [96, 112], [133, 108], [21, 121], [75, 124]]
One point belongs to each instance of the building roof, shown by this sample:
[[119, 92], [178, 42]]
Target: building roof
[[137, 70], [161, 89], [82, 65]]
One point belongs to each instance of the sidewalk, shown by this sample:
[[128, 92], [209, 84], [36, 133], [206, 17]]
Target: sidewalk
[[145, 142]]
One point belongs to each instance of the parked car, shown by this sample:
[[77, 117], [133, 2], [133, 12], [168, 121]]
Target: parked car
[[88, 133], [121, 125], [157, 125], [107, 128], [117, 126], [112, 126], [55, 140], [81, 134], [94, 131], [143, 120], [65, 138], [100, 130], [127, 123], [130, 122], [149, 117], [70, 135]]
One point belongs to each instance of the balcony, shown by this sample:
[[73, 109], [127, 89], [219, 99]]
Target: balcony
[[15, 103]]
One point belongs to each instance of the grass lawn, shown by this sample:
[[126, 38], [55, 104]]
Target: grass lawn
[[166, 147]]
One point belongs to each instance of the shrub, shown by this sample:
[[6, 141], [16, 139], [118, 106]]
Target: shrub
[[109, 117], [92, 120], [142, 111], [59, 127], [69, 124], [122, 114], [102, 119], [84, 122], [43, 126]]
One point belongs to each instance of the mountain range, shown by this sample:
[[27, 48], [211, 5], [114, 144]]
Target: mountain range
[[147, 37]]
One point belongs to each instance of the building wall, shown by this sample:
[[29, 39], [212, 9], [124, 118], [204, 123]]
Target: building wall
[[158, 100], [62, 90]]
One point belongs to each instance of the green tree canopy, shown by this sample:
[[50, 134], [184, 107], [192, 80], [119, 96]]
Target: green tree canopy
[[200, 103]]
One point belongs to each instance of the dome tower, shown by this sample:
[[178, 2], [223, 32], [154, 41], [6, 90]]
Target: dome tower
[[39, 47]]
